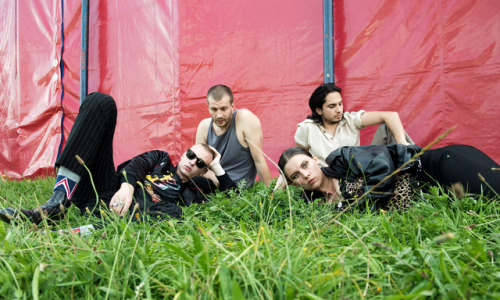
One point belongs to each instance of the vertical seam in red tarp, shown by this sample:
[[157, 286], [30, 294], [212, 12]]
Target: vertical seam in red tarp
[[61, 67], [442, 74]]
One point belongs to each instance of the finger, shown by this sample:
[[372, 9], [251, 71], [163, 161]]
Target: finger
[[111, 203], [124, 210], [114, 202], [118, 206]]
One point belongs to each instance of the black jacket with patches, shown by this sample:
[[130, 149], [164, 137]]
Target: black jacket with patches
[[157, 187]]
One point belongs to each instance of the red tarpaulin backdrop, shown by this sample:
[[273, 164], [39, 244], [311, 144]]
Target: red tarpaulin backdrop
[[435, 62]]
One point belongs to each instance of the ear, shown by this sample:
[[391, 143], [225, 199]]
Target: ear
[[319, 111], [315, 158]]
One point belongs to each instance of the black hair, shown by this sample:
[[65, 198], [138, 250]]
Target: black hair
[[318, 98], [288, 154]]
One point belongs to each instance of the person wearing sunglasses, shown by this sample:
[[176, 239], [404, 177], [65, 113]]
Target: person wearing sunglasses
[[150, 180]]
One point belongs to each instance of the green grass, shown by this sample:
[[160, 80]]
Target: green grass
[[257, 245]]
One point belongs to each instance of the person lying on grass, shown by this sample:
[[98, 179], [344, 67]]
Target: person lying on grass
[[150, 179], [354, 171]]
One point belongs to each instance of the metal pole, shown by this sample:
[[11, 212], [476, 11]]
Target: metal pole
[[328, 64], [84, 53]]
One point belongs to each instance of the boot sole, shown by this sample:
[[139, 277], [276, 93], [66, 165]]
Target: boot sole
[[6, 218]]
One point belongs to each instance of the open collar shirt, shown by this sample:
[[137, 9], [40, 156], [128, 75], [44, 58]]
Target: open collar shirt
[[321, 143]]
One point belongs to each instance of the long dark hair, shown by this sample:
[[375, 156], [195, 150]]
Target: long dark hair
[[318, 99], [288, 154]]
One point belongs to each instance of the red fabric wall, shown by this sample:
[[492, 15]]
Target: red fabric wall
[[435, 62], [270, 53]]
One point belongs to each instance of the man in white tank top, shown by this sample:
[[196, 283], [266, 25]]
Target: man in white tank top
[[237, 135]]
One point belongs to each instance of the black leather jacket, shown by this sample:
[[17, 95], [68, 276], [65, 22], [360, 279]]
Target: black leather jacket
[[156, 173], [372, 163]]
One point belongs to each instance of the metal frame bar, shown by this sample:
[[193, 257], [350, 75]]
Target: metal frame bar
[[84, 52], [328, 63]]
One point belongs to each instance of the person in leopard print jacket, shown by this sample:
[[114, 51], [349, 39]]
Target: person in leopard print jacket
[[360, 175]]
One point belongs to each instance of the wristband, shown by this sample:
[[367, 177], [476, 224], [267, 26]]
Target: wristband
[[218, 170]]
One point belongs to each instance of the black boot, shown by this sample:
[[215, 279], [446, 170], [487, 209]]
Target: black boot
[[53, 209]]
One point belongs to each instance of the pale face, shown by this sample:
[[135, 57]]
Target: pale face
[[221, 111], [332, 110], [187, 168], [304, 171]]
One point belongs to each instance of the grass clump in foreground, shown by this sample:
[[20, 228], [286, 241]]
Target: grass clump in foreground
[[257, 245]]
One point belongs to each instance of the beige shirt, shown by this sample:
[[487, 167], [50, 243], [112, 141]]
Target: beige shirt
[[321, 143]]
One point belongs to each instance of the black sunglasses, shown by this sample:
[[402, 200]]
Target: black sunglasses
[[199, 162]]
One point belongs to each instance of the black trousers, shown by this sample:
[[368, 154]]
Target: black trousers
[[91, 138], [461, 163]]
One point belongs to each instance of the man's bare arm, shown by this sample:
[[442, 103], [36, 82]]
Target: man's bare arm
[[202, 131], [252, 132], [391, 119]]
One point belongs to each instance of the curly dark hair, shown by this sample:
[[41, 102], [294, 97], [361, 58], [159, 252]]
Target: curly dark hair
[[318, 98]]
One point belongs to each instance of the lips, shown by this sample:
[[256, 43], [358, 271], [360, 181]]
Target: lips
[[188, 169], [311, 181]]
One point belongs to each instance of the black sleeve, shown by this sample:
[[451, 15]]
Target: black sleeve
[[372, 163], [207, 186], [225, 182], [199, 187], [138, 167]]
